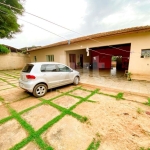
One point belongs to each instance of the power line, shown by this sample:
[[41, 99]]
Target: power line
[[63, 27], [56, 34]]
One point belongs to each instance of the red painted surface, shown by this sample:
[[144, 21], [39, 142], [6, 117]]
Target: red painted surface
[[102, 56]]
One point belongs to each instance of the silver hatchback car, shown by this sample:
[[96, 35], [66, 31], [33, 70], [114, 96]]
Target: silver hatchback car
[[38, 77]]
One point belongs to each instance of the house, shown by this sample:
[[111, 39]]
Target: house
[[131, 46]]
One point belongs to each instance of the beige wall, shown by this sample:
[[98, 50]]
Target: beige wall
[[86, 59], [13, 61], [139, 67]]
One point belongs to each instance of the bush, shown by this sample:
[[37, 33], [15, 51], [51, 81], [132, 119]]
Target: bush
[[4, 50]]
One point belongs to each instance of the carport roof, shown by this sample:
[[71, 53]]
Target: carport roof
[[103, 34]]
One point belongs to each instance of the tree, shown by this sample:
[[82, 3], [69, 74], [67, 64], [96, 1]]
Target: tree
[[4, 49], [8, 18]]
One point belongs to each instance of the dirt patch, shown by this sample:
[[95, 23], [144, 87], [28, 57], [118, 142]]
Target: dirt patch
[[118, 123], [39, 116], [100, 97], [11, 133], [51, 94], [25, 103], [3, 112], [30, 146], [107, 91], [68, 134], [136, 98], [88, 88], [80, 93], [17, 94], [66, 101]]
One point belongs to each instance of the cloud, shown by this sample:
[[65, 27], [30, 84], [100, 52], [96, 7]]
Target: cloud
[[111, 15], [84, 16]]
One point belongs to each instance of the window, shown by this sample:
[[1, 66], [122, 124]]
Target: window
[[49, 57], [63, 68], [35, 59], [145, 53], [27, 68], [48, 68]]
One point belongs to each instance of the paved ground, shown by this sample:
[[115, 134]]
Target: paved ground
[[72, 118], [113, 81]]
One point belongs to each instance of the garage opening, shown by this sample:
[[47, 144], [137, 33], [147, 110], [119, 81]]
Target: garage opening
[[110, 60]]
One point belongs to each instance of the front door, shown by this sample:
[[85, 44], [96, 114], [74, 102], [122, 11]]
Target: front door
[[72, 60]]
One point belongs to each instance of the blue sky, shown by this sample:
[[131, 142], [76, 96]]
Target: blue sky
[[83, 16]]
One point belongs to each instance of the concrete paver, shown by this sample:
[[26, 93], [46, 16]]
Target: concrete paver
[[30, 146], [4, 112], [120, 124], [25, 103], [11, 133], [65, 101], [80, 93], [45, 114], [68, 134]]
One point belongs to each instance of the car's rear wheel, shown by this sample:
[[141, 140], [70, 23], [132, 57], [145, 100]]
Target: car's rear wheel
[[76, 81], [40, 90]]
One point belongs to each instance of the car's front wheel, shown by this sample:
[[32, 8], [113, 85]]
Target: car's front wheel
[[76, 81], [40, 90]]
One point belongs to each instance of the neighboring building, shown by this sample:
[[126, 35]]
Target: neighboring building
[[131, 45], [12, 49]]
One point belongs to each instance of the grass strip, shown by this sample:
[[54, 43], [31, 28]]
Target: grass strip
[[84, 99], [30, 108], [42, 144], [49, 124], [94, 145], [23, 123], [22, 143], [10, 75], [65, 111], [6, 119], [8, 82]]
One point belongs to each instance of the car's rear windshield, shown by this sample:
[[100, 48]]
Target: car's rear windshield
[[27, 68]]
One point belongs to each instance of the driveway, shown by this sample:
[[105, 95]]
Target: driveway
[[72, 118]]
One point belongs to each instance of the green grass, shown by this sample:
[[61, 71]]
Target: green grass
[[94, 145], [139, 110], [148, 103], [36, 135], [119, 96], [8, 82], [142, 148]]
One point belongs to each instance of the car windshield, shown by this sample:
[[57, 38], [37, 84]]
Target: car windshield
[[27, 68]]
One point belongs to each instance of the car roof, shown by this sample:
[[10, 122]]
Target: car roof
[[40, 63]]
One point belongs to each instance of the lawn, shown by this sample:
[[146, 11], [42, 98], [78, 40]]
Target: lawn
[[72, 118]]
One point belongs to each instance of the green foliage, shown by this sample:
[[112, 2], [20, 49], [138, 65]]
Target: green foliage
[[142, 148], [94, 145], [8, 18], [4, 50], [148, 103], [139, 110], [114, 58], [119, 96], [129, 76]]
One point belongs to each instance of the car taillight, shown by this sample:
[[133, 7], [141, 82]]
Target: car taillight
[[30, 77]]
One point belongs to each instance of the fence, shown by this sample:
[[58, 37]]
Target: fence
[[13, 61]]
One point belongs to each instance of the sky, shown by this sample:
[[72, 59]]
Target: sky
[[83, 16]]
